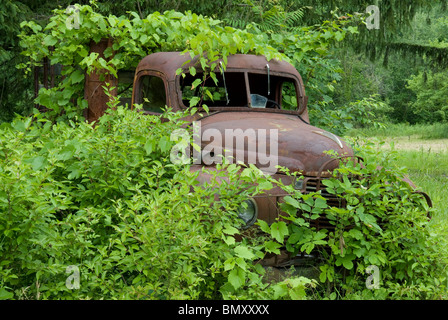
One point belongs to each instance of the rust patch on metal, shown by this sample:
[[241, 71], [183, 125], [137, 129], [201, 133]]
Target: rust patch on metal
[[93, 88]]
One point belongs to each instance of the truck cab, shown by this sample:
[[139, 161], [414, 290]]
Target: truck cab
[[257, 113]]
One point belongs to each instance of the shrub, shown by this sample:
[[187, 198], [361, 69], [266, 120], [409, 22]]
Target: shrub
[[365, 113], [104, 203], [100, 212], [430, 90], [383, 226]]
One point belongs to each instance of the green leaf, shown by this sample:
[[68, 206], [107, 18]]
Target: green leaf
[[148, 147], [264, 226], [75, 171], [196, 83], [265, 185], [323, 277], [66, 153], [279, 230], [328, 182], [307, 247], [291, 201], [273, 247], [143, 38], [49, 41], [348, 264], [20, 125], [194, 101], [294, 238], [319, 235], [77, 76], [229, 240], [5, 295], [346, 261], [209, 94], [38, 163], [280, 290], [339, 36], [320, 203], [237, 277], [229, 264], [244, 252], [357, 234], [230, 230], [164, 144]]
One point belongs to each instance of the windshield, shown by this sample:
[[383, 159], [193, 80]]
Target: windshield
[[230, 90], [214, 94]]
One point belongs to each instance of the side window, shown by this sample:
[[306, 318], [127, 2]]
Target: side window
[[153, 95], [289, 96], [279, 90]]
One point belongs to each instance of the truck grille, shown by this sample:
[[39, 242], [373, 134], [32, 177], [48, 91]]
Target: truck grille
[[314, 184]]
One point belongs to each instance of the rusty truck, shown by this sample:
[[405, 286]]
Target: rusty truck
[[251, 94]]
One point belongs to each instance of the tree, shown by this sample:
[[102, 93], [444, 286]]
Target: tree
[[13, 87], [431, 90]]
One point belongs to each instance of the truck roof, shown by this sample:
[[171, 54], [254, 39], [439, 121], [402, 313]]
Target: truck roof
[[169, 62]]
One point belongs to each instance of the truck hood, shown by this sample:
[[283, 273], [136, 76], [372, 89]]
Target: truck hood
[[267, 140]]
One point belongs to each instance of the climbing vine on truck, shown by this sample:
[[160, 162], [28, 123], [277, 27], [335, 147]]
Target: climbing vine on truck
[[133, 38]]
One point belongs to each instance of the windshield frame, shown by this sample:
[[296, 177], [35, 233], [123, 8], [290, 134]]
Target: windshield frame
[[300, 95]]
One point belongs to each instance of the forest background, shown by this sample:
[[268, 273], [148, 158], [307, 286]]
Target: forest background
[[397, 70]]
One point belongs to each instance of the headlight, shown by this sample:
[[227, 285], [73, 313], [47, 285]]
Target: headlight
[[248, 212], [298, 183]]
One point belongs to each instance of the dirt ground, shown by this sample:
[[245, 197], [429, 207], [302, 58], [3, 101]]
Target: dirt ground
[[409, 143]]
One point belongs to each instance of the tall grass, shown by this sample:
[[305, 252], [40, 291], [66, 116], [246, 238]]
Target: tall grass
[[429, 171], [427, 167], [419, 131]]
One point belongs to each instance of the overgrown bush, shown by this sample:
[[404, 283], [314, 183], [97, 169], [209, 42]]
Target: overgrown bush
[[107, 201], [367, 112], [430, 89], [383, 224]]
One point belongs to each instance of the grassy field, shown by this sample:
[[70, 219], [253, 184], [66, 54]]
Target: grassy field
[[423, 150], [436, 131]]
